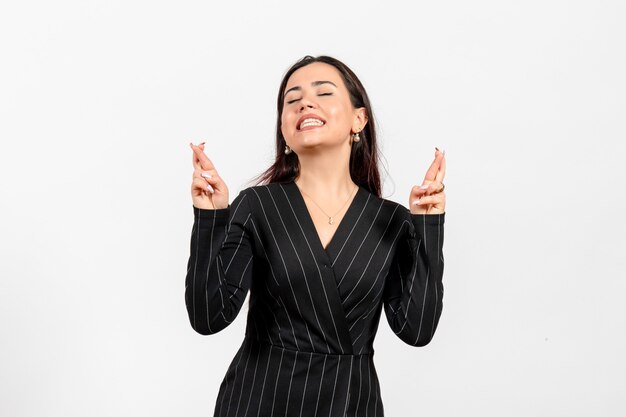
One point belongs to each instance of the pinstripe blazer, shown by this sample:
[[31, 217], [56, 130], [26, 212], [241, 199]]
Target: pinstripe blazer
[[313, 311]]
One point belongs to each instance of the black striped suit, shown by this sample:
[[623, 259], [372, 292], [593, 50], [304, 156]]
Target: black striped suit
[[313, 312]]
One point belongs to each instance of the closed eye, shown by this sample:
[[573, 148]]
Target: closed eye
[[321, 94]]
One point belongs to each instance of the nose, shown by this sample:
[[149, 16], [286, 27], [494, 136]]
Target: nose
[[306, 103]]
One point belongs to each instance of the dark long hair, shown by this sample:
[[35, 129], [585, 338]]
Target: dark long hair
[[364, 156]]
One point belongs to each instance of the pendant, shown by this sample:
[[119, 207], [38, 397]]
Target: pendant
[[330, 220]]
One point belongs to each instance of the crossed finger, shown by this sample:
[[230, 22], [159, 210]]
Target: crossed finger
[[442, 169], [194, 158], [433, 180], [200, 160], [433, 170], [430, 191], [434, 187]]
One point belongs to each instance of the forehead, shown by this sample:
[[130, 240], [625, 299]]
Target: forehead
[[317, 71]]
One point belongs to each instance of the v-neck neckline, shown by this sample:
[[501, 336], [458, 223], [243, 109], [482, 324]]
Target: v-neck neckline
[[310, 225]]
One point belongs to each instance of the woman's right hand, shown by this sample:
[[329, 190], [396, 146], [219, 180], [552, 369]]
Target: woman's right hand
[[208, 191]]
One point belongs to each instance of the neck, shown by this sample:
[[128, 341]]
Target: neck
[[326, 174]]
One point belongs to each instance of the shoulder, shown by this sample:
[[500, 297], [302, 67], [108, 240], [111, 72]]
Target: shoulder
[[272, 186], [255, 192], [392, 205], [395, 210], [259, 196], [387, 215], [405, 214]]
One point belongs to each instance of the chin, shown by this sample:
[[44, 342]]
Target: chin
[[309, 139]]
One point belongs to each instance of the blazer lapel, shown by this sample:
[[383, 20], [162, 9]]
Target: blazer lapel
[[325, 257]]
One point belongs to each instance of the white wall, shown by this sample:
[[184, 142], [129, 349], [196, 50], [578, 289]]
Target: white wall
[[99, 100]]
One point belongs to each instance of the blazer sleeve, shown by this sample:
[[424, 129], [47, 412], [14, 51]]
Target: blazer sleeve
[[219, 270], [413, 291]]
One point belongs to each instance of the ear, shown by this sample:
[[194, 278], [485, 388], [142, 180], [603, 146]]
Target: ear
[[360, 119]]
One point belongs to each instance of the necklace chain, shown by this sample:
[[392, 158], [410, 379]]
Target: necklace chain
[[330, 218]]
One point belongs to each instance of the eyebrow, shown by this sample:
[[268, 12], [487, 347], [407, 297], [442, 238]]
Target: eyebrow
[[313, 84]]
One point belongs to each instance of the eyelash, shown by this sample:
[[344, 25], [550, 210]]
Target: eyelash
[[323, 94]]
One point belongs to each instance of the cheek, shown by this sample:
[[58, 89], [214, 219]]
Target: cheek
[[284, 124], [286, 127], [340, 115], [287, 120]]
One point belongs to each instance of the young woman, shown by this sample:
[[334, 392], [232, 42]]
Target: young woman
[[321, 253]]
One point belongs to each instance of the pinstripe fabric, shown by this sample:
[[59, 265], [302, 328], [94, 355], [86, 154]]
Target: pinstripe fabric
[[314, 311]]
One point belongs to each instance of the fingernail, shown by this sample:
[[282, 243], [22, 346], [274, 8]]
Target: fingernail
[[202, 143], [207, 175], [416, 202], [423, 187], [208, 187], [436, 148]]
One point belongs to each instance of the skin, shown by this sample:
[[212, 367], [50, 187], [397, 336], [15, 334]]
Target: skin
[[323, 152]]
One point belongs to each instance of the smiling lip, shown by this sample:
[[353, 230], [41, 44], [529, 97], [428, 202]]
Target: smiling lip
[[309, 116], [310, 127]]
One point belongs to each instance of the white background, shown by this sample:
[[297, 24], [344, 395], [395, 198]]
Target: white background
[[99, 100]]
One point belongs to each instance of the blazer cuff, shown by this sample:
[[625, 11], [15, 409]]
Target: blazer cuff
[[221, 214], [435, 219]]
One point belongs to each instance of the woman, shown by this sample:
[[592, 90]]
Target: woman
[[321, 253]]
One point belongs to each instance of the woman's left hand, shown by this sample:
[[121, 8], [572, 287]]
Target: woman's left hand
[[430, 197]]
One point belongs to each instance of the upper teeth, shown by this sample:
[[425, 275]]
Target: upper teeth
[[311, 122]]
